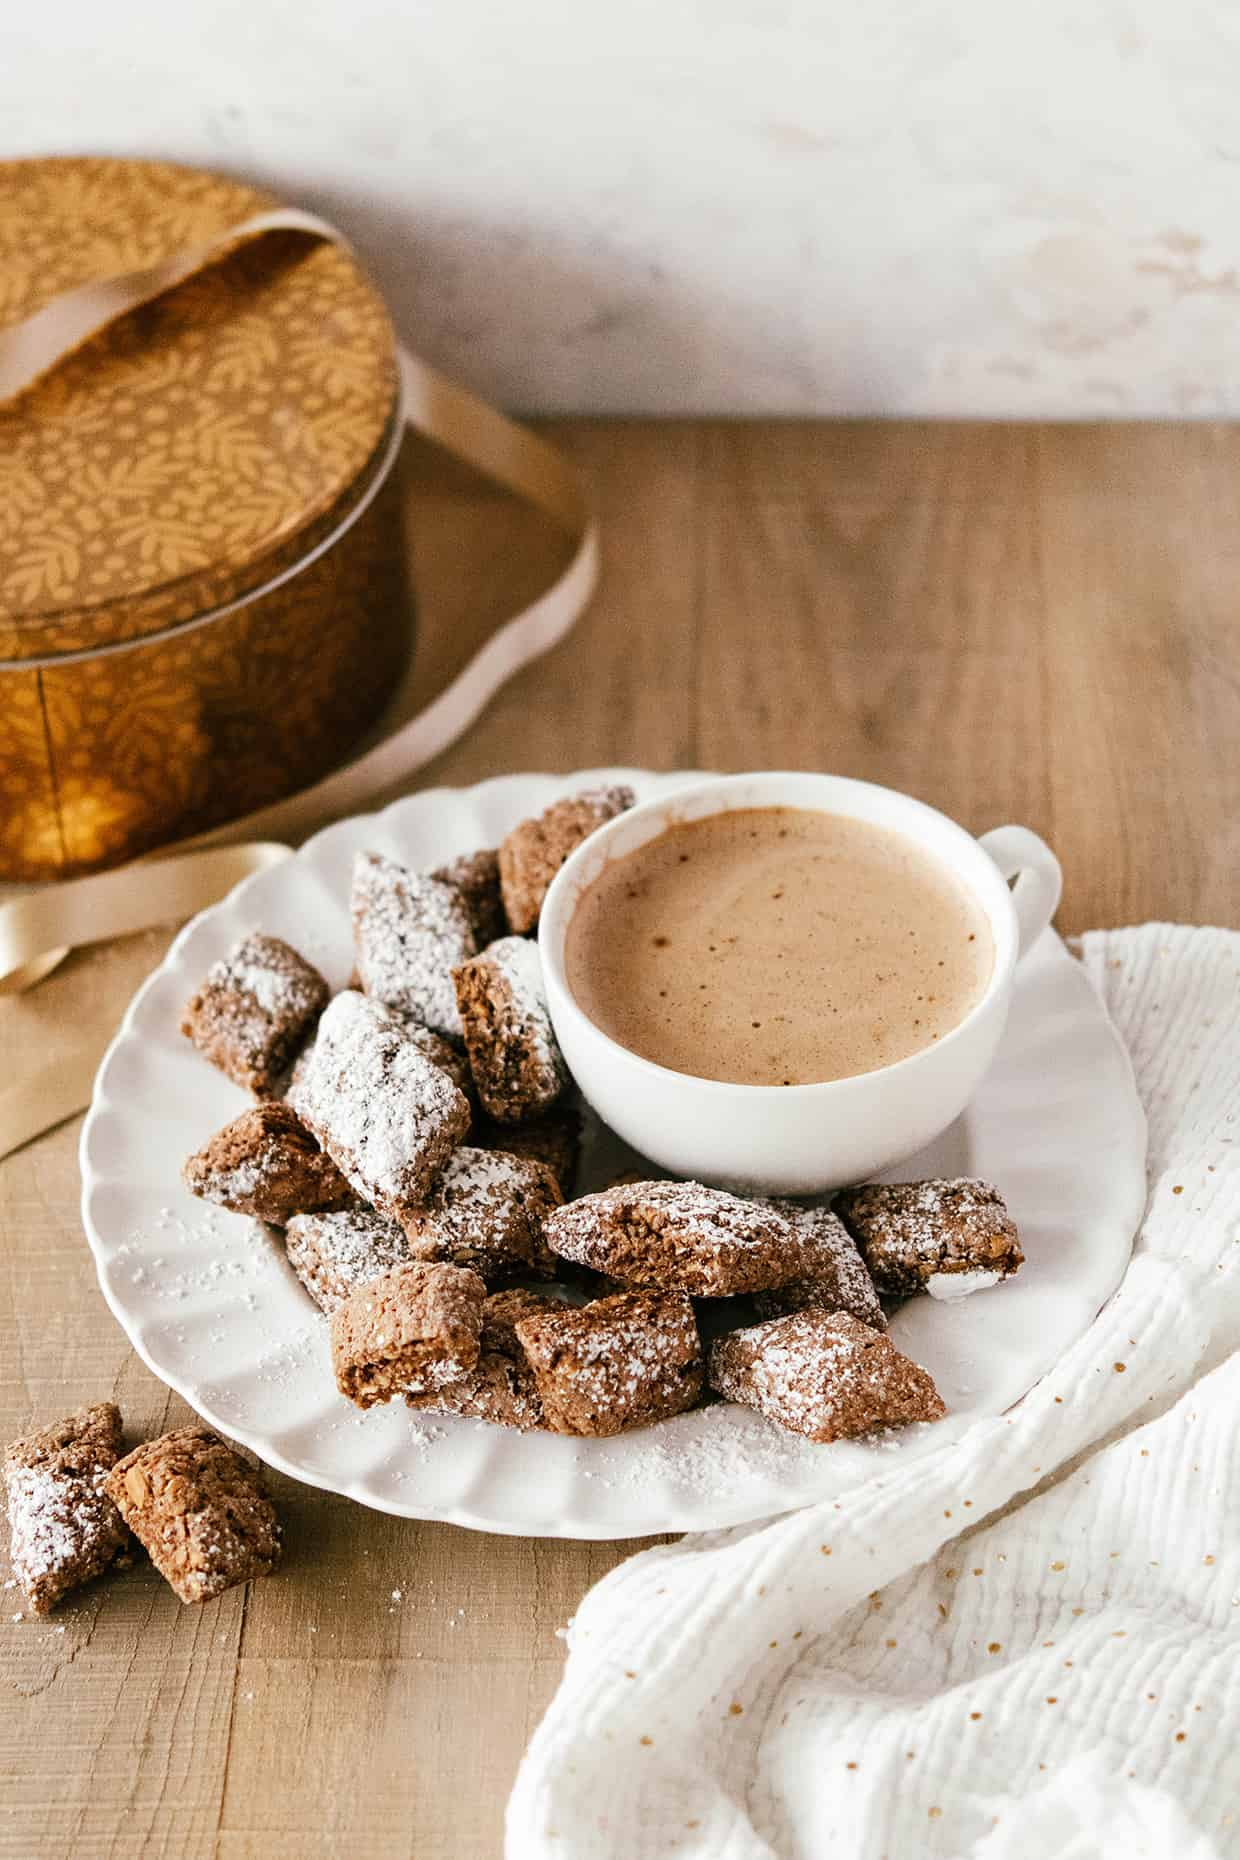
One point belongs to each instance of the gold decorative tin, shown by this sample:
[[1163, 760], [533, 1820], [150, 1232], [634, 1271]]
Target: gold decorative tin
[[203, 576]]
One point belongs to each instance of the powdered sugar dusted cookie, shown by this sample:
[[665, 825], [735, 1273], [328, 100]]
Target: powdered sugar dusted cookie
[[410, 931], [486, 1211], [441, 1053], [945, 1237], [500, 1387], [332, 1254], [837, 1277], [533, 853], [415, 1329], [437, 1049], [63, 1527], [385, 1115], [253, 1010], [679, 1235], [266, 1164], [823, 1374], [618, 1363], [513, 1054], [554, 1139], [476, 877], [199, 1510]]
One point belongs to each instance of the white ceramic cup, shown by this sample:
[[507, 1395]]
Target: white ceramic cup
[[801, 1139]]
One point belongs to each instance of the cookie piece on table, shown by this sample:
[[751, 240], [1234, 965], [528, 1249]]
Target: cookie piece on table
[[253, 1011], [837, 1277], [680, 1235], [200, 1511], [500, 1388], [945, 1237], [553, 1139], [823, 1374], [476, 877], [618, 1363], [266, 1164], [386, 1116], [415, 1329], [333, 1254], [514, 1056], [533, 853], [486, 1211], [63, 1527], [410, 931]]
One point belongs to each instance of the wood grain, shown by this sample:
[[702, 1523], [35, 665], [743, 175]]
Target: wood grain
[[1034, 624]]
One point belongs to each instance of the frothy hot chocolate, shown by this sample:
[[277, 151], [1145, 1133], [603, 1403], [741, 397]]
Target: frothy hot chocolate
[[777, 946]]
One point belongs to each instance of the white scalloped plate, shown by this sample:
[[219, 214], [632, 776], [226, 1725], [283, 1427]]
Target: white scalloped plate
[[210, 1304]]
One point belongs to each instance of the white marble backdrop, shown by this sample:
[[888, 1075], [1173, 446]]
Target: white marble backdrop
[[665, 206]]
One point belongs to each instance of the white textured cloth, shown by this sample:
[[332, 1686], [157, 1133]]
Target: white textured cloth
[[1061, 1676]]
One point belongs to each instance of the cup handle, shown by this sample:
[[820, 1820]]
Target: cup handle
[[1021, 855]]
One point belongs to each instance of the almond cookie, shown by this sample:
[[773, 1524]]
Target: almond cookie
[[837, 1278], [947, 1237], [332, 1254], [387, 1117], [486, 1211], [513, 1054], [682, 1236], [199, 1510], [500, 1388], [618, 1363], [533, 853], [253, 1011], [440, 1051], [823, 1374], [553, 1139], [266, 1164], [410, 931], [415, 1329], [63, 1527], [476, 877]]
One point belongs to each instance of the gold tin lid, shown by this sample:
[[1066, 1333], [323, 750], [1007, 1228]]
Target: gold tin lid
[[196, 447]]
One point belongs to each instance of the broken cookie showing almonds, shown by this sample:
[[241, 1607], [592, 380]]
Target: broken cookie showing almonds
[[823, 1374], [384, 1113], [253, 1011], [945, 1237], [680, 1235], [199, 1510], [500, 1387], [417, 1329], [486, 1211], [617, 1363], [533, 853], [410, 931], [63, 1527], [836, 1275], [267, 1165], [514, 1055]]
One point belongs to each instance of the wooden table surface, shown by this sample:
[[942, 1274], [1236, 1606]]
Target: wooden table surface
[[1036, 625]]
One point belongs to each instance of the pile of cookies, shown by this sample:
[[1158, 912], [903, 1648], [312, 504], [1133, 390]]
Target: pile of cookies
[[415, 1140]]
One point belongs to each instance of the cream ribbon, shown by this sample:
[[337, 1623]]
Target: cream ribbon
[[37, 930]]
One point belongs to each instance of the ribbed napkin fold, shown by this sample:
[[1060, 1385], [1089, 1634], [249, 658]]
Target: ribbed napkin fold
[[1025, 1643]]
